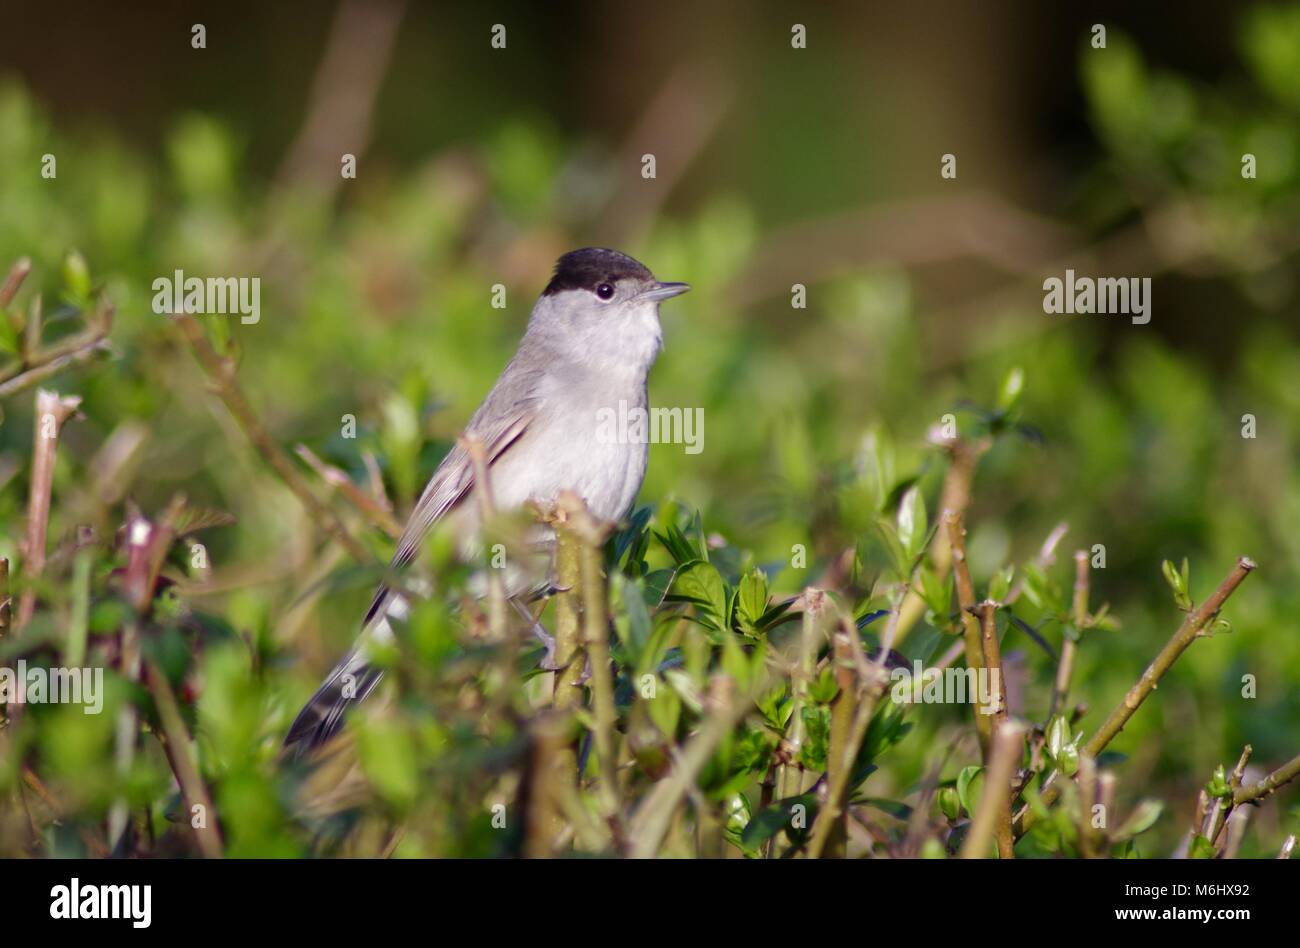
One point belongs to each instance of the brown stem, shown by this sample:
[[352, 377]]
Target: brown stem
[[1221, 810], [790, 780], [1284, 774], [4, 596], [988, 611], [592, 533], [970, 625], [544, 821], [51, 412], [17, 273], [1065, 667], [567, 692], [1087, 780], [843, 712], [873, 682], [955, 496], [1187, 633], [993, 813], [179, 754], [373, 510]]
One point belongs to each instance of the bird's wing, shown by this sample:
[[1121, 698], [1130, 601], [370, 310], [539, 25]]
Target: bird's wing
[[499, 422]]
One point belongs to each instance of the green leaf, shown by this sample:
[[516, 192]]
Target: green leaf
[[824, 689], [1142, 818], [895, 808], [893, 545], [949, 803], [633, 534], [1218, 788], [1000, 584], [937, 593], [655, 586], [876, 468], [781, 816], [633, 625], [701, 584], [775, 706], [965, 790], [751, 600], [1058, 736], [76, 275], [1042, 591], [1013, 383], [817, 732], [680, 547], [1201, 848], [1177, 581], [666, 710], [912, 524]]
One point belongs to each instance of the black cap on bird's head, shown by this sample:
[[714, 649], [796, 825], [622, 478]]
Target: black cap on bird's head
[[598, 271], [589, 267]]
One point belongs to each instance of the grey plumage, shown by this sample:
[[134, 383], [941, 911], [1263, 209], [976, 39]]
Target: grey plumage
[[591, 340]]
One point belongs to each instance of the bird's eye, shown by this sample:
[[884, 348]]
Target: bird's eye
[[605, 291]]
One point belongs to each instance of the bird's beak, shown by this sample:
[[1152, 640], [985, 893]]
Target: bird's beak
[[664, 291]]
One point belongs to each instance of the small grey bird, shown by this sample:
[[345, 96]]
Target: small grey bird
[[587, 351]]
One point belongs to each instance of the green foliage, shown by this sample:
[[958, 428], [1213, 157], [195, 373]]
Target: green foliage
[[375, 310]]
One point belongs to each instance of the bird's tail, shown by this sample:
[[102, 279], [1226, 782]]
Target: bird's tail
[[351, 680], [322, 716]]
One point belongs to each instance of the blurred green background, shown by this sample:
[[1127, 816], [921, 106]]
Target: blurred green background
[[775, 166]]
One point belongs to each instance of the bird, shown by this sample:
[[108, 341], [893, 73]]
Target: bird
[[591, 340]]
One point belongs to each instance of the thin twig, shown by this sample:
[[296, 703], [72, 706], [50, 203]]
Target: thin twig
[[994, 807], [963, 455], [843, 712], [4, 596], [988, 611], [221, 377], [1190, 629], [970, 625], [1221, 810], [52, 411], [376, 512], [568, 659], [873, 680], [17, 273], [791, 778], [1188, 632], [1284, 774], [1065, 667], [179, 753], [591, 534]]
